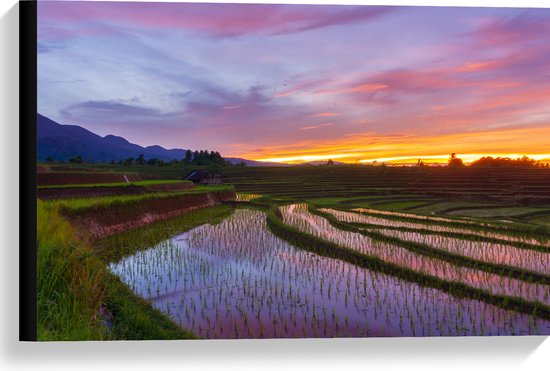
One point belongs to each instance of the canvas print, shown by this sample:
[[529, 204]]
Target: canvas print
[[229, 171]]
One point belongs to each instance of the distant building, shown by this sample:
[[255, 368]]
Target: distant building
[[204, 177]]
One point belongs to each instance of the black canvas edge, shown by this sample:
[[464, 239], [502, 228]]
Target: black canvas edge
[[27, 170]]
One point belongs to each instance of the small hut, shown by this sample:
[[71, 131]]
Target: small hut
[[204, 177]]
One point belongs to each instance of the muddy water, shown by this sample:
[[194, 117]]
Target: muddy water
[[298, 216], [237, 280], [531, 260]]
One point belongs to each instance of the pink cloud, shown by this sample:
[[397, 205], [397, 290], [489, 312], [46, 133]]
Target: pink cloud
[[316, 126], [478, 66], [516, 30], [324, 114], [303, 87], [219, 20], [362, 88]]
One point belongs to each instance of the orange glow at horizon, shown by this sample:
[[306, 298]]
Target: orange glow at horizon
[[437, 159], [368, 147], [466, 157]]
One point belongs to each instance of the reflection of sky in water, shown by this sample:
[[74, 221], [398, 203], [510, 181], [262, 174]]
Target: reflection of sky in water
[[236, 279], [299, 217], [368, 218], [487, 251]]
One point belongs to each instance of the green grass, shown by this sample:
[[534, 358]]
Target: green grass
[[78, 299], [80, 204], [396, 206], [502, 212], [141, 183], [542, 220], [441, 207], [135, 319], [539, 232], [167, 171], [122, 244], [70, 281]]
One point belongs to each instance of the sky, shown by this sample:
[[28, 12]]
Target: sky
[[295, 83]]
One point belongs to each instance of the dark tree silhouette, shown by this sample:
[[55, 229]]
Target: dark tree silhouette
[[523, 162], [140, 160], [455, 162], [188, 156]]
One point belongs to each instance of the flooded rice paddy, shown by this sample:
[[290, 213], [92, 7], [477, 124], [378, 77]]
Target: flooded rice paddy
[[298, 216], [376, 217], [236, 279], [498, 253]]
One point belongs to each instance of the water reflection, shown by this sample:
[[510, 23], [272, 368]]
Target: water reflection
[[236, 279]]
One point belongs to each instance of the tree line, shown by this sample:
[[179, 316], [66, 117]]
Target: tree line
[[504, 162], [198, 158]]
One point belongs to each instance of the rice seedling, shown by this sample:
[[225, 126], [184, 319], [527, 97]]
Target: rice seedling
[[236, 279], [439, 224], [524, 241], [297, 215], [246, 197], [503, 255]]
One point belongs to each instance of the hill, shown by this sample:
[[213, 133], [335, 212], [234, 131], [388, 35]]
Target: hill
[[62, 142]]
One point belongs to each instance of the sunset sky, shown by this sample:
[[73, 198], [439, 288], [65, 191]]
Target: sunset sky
[[294, 83]]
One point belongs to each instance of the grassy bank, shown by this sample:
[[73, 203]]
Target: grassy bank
[[81, 204], [71, 282], [122, 244], [141, 183], [78, 299]]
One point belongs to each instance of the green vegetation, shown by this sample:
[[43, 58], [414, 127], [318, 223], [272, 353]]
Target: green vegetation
[[170, 171], [122, 244], [70, 290], [133, 318], [394, 206], [438, 253], [80, 204], [141, 183], [442, 206], [406, 213], [78, 299], [495, 212], [325, 248]]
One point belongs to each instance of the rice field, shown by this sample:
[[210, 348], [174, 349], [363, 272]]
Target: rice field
[[433, 224], [298, 216], [236, 279]]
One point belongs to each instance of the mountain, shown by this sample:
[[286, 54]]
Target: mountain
[[62, 142]]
